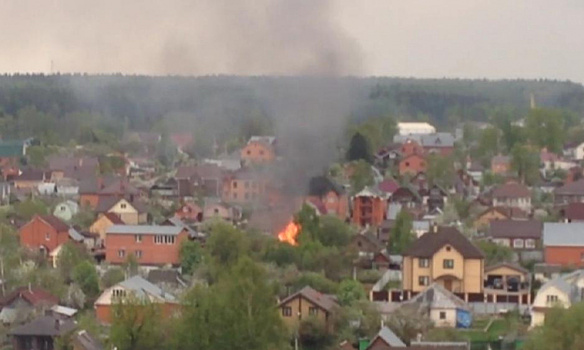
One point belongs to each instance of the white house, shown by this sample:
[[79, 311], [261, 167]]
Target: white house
[[575, 151], [415, 128], [66, 210], [562, 291]]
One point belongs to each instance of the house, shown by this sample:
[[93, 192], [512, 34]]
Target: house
[[166, 189], [563, 243], [207, 179], [441, 306], [333, 197], [409, 147], [189, 212], [131, 289], [66, 210], [498, 213], [441, 143], [388, 186], [407, 129], [167, 279], [434, 198], [366, 244], [385, 339], [40, 333], [131, 212], [306, 303], [150, 245], [91, 190], [563, 291], [507, 282], [407, 197], [574, 151], [192, 233], [573, 212], [412, 165], [19, 304], [259, 149], [11, 151], [369, 207], [214, 209], [500, 165], [569, 193], [102, 223], [30, 179], [519, 235], [388, 156], [45, 233], [445, 256], [244, 186], [72, 167], [543, 272], [512, 195]]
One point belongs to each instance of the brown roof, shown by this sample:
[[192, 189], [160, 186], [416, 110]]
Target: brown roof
[[509, 265], [574, 211], [573, 188], [516, 229], [431, 242], [325, 302], [204, 171], [33, 296], [114, 218], [511, 190], [55, 222], [106, 203]]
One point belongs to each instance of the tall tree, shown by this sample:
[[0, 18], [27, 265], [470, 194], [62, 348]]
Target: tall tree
[[362, 176], [401, 236], [525, 162], [440, 170], [359, 149], [545, 128], [137, 325], [563, 330]]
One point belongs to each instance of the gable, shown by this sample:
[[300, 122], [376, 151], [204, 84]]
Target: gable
[[123, 206]]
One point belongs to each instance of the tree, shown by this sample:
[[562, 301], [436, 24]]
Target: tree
[[85, 275], [131, 265], [359, 149], [226, 244], [29, 208], [488, 145], [362, 176], [440, 170], [70, 256], [407, 323], [136, 325], [495, 253], [112, 277], [545, 128], [75, 297], [350, 291], [190, 256], [525, 162], [563, 330], [401, 236], [333, 231]]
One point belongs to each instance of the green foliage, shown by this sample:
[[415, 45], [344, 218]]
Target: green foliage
[[563, 330], [401, 236], [545, 128], [440, 170], [362, 176], [131, 265], [313, 334], [84, 218], [70, 256], [407, 323], [112, 276], [358, 321], [226, 245], [494, 253], [317, 281], [525, 162], [85, 275], [333, 232], [30, 207], [191, 255], [488, 144], [137, 325], [350, 291], [37, 156], [359, 149]]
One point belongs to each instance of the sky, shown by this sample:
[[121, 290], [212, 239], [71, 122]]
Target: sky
[[415, 38]]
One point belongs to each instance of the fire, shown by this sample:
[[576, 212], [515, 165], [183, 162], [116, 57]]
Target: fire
[[290, 233]]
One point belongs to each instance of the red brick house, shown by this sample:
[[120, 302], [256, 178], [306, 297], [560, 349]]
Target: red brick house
[[328, 197], [189, 212], [563, 244], [150, 244], [412, 165], [517, 234], [411, 147], [44, 233], [369, 207], [259, 149]]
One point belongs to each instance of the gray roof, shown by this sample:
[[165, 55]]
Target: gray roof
[[563, 234], [179, 223], [561, 284], [143, 288], [439, 139], [44, 326], [87, 341], [437, 297], [421, 225], [390, 338], [144, 230], [76, 236]]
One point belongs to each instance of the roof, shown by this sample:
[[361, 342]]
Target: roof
[[370, 192], [204, 171], [45, 326], [499, 159], [433, 140], [268, 140], [34, 296], [325, 302], [561, 284], [142, 288], [165, 276], [54, 222], [389, 338], [12, 148], [573, 188], [63, 310], [508, 265], [87, 342], [563, 234], [430, 242], [574, 211], [143, 230], [515, 229], [105, 203], [74, 167], [75, 235], [509, 212], [31, 175], [114, 218], [437, 297], [388, 186], [321, 185], [511, 190], [175, 221]]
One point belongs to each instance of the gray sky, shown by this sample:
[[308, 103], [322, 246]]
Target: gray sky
[[419, 38]]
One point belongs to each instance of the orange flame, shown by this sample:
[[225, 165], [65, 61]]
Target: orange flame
[[290, 233]]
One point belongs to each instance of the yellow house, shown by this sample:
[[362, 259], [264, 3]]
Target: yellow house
[[446, 257], [131, 213], [307, 303], [103, 222], [505, 282], [498, 213]]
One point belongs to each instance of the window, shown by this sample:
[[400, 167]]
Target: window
[[423, 263], [248, 152], [164, 239], [138, 238], [234, 184], [138, 254], [550, 299], [287, 311], [121, 253], [517, 243], [530, 243], [123, 205], [313, 311], [407, 164], [423, 280], [448, 263], [47, 236], [117, 293], [442, 315], [216, 211], [62, 208]]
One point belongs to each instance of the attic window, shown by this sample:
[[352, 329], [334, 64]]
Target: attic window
[[123, 205], [448, 248]]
